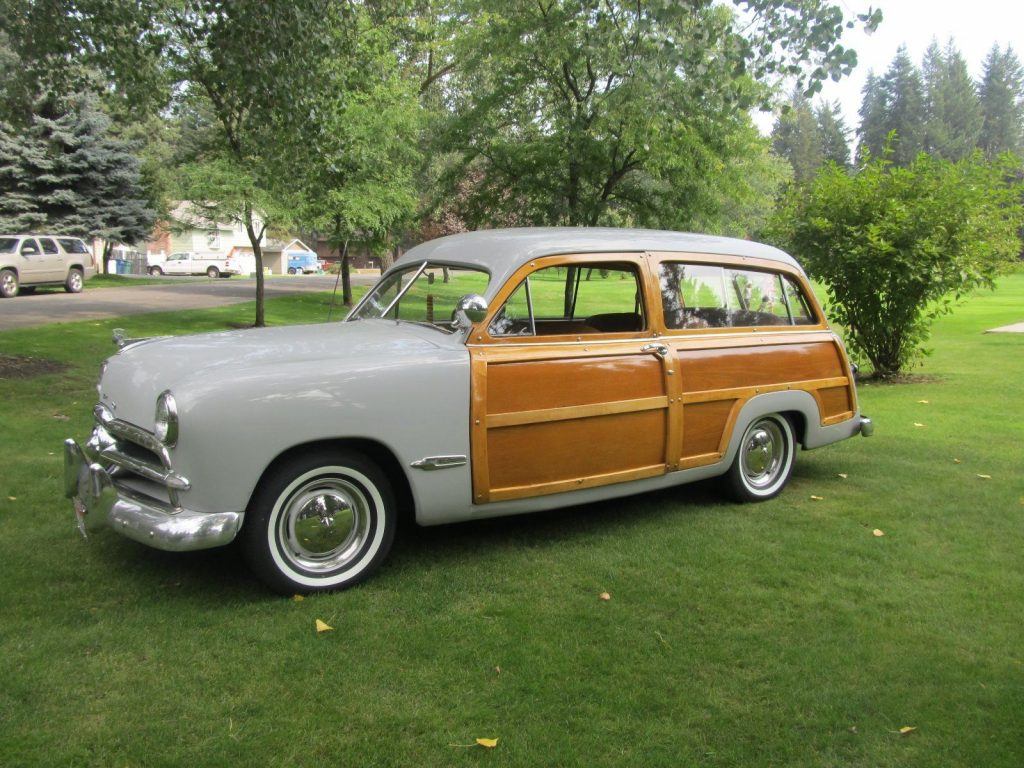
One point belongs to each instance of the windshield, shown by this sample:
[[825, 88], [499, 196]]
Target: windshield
[[8, 244], [422, 293]]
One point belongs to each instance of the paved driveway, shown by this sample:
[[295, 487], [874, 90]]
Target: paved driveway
[[56, 306]]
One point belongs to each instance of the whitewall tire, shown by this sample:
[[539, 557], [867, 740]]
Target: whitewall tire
[[764, 459], [323, 520]]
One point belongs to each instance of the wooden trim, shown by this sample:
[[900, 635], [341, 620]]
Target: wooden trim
[[837, 419], [478, 428], [745, 393], [516, 418], [561, 486], [700, 460]]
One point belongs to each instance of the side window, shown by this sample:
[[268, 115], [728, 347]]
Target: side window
[[72, 245], [798, 305], [756, 298], [693, 295], [601, 297], [29, 245], [48, 245], [706, 296]]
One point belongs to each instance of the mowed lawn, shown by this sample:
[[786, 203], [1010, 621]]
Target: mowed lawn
[[783, 634]]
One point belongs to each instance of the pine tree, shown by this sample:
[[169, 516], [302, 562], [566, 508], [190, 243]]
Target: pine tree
[[872, 130], [1002, 103], [892, 111], [795, 137], [68, 175], [833, 134], [953, 111]]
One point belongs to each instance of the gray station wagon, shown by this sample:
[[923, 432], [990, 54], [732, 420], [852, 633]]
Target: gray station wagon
[[27, 261]]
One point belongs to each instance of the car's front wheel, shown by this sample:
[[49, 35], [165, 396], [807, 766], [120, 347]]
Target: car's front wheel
[[8, 283], [213, 272], [74, 282], [321, 520], [764, 459], [155, 271]]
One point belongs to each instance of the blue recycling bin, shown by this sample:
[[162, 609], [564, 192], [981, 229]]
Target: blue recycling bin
[[123, 267]]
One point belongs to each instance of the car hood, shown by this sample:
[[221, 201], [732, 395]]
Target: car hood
[[135, 377]]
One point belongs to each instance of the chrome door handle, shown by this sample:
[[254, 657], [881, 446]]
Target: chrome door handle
[[658, 349]]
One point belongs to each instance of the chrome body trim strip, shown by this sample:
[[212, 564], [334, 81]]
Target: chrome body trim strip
[[171, 480], [431, 463]]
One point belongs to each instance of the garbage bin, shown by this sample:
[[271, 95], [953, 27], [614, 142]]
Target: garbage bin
[[122, 266]]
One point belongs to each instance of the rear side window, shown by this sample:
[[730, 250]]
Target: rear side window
[[48, 245], [706, 296], [72, 245], [8, 244]]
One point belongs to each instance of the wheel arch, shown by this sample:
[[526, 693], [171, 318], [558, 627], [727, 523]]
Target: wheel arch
[[374, 450]]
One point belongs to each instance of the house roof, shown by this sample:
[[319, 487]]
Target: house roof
[[502, 251], [189, 215]]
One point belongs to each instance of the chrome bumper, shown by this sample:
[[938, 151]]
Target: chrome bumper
[[867, 426], [98, 501]]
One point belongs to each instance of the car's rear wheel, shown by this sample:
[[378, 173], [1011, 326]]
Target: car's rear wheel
[[213, 272], [321, 520], [75, 281], [8, 283], [291, 270], [764, 459], [155, 271]]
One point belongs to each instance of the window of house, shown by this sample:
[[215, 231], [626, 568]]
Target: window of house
[[601, 297], [706, 296]]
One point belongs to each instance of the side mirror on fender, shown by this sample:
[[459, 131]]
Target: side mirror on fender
[[470, 309]]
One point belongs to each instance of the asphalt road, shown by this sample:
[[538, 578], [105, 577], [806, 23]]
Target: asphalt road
[[48, 305]]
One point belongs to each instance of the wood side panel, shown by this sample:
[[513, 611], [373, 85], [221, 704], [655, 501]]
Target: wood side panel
[[549, 452], [703, 426], [478, 427], [710, 369], [834, 401], [537, 385]]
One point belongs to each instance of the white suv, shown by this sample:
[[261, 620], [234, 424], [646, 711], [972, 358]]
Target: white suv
[[30, 260]]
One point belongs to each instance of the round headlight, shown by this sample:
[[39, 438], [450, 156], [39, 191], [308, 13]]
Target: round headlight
[[166, 422]]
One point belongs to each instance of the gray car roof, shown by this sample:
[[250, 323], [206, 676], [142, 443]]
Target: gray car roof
[[502, 251]]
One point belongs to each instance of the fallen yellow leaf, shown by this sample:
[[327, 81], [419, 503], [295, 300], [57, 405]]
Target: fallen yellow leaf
[[12, 498], [817, 498], [957, 461], [985, 477], [298, 598], [605, 596], [842, 475], [878, 532], [498, 670], [923, 402], [322, 626], [907, 729], [918, 424], [489, 743]]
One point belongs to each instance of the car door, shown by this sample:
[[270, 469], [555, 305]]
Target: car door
[[32, 267], [570, 388], [177, 264], [53, 262]]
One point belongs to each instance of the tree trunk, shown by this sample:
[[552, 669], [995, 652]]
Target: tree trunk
[[346, 277], [108, 248], [257, 252]]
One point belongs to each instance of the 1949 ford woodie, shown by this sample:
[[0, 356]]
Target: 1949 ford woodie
[[489, 373]]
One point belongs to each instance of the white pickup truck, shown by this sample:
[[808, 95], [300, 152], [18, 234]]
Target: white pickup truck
[[190, 263]]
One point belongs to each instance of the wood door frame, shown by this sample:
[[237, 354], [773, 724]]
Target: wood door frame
[[485, 349]]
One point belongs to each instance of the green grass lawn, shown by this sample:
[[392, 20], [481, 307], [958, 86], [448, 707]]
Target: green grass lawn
[[783, 633], [114, 281]]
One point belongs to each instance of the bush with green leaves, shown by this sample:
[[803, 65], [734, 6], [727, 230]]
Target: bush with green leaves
[[897, 247]]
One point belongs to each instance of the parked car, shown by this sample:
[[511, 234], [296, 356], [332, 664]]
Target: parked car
[[486, 374], [28, 261], [304, 264], [189, 263]]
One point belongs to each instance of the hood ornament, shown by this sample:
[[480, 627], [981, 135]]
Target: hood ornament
[[121, 340]]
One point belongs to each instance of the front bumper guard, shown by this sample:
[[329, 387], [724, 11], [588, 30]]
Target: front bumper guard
[[98, 501]]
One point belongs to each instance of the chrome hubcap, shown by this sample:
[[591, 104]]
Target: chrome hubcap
[[762, 453], [76, 281], [8, 283], [324, 524]]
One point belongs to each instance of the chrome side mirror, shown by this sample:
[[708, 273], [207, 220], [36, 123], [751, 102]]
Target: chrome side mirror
[[470, 309]]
